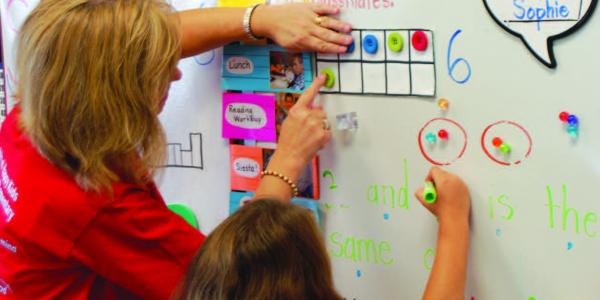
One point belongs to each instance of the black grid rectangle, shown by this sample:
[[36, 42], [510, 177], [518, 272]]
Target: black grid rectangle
[[388, 63]]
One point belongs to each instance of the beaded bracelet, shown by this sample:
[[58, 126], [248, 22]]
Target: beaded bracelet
[[286, 179]]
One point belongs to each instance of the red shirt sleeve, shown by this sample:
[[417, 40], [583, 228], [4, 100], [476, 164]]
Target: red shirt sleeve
[[138, 244]]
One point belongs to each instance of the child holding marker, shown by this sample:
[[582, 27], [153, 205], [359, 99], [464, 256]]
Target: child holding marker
[[274, 250]]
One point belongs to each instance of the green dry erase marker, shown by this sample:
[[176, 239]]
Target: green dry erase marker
[[429, 193]]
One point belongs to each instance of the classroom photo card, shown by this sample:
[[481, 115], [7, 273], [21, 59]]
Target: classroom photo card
[[239, 199], [283, 103], [266, 68], [286, 70], [248, 162]]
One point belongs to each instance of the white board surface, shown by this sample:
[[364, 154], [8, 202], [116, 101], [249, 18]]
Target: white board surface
[[517, 252]]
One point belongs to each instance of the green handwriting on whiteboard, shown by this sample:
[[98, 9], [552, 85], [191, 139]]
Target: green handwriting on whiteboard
[[507, 210], [360, 249], [569, 215], [428, 258], [328, 173], [394, 196]]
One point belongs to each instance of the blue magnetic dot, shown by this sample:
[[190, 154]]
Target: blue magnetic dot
[[350, 48], [498, 232], [358, 273], [569, 246], [386, 216], [572, 120], [370, 44]]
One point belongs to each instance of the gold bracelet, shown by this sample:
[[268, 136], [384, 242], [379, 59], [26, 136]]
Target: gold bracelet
[[286, 179]]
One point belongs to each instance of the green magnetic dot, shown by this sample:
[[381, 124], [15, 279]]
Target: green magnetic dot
[[395, 42], [573, 130], [330, 82], [431, 138], [185, 212], [504, 148]]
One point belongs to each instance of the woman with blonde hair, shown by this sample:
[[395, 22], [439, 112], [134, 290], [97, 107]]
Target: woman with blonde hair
[[81, 217]]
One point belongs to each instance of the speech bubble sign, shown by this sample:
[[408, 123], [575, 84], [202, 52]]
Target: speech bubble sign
[[538, 23]]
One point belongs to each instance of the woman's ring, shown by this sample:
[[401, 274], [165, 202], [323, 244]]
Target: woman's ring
[[319, 20], [326, 125]]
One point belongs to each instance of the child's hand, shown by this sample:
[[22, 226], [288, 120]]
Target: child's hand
[[453, 200]]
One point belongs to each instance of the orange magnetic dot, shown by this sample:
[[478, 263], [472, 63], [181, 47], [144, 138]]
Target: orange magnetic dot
[[497, 142]]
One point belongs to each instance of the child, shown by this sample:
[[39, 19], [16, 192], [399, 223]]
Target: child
[[297, 82], [273, 250]]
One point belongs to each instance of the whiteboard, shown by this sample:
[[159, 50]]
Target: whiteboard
[[516, 252]]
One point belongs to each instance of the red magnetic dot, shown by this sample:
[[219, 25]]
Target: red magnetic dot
[[420, 41], [563, 116], [443, 134], [497, 142]]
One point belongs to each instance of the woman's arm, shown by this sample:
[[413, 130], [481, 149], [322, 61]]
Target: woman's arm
[[447, 278], [303, 134], [292, 26]]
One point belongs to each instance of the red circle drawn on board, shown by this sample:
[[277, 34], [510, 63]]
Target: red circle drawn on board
[[485, 150], [427, 157]]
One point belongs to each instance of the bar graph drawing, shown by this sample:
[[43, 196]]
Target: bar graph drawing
[[186, 156]]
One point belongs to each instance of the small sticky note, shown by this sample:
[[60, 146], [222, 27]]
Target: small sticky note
[[347, 121], [249, 116]]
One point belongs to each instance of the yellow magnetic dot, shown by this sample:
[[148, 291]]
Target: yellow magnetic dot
[[443, 104]]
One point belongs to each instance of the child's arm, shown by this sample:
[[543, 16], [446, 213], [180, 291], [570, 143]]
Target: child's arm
[[447, 278]]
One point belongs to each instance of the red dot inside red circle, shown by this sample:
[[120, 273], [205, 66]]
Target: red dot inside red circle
[[420, 41], [563, 116], [443, 134], [497, 142]]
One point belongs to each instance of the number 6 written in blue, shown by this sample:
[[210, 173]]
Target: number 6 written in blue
[[452, 66]]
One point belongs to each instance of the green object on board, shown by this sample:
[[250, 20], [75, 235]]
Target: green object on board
[[185, 212]]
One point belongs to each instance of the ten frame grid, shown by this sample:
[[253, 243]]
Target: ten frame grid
[[338, 60]]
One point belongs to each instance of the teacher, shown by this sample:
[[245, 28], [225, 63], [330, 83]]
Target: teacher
[[80, 216]]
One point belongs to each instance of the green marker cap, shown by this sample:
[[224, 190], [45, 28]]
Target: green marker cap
[[429, 193], [185, 212]]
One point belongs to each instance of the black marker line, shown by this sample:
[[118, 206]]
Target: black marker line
[[385, 60], [377, 94], [434, 65], [410, 61], [379, 61], [362, 74], [339, 74]]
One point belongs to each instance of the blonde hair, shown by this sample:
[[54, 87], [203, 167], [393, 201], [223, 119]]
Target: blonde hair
[[266, 250], [92, 74]]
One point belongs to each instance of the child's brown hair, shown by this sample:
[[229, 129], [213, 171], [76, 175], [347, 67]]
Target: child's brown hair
[[266, 250]]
